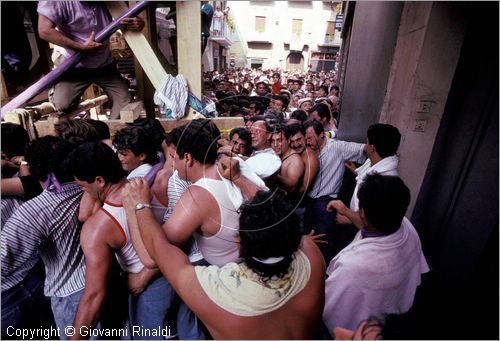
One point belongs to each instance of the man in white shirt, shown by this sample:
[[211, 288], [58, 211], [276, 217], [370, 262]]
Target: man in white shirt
[[378, 273], [381, 147]]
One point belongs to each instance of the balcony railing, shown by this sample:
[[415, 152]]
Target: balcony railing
[[332, 40], [219, 28], [329, 38]]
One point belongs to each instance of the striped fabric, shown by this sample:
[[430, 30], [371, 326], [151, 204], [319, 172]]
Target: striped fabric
[[177, 186], [48, 225], [172, 95], [331, 166], [9, 206]]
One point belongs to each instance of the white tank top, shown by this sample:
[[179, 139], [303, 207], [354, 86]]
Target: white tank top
[[222, 247], [127, 257]]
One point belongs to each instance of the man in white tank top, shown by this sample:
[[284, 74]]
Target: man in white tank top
[[276, 292], [204, 209], [98, 171]]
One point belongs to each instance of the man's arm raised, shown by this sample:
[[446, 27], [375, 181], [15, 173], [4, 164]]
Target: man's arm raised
[[186, 218], [133, 225]]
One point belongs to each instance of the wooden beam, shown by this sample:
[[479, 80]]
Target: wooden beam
[[46, 127], [5, 93], [189, 45], [141, 48], [145, 59], [131, 111], [224, 124]]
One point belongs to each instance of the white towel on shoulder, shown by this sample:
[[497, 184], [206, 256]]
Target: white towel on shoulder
[[386, 166], [240, 291]]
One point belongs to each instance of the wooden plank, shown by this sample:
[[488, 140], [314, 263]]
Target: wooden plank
[[13, 116], [46, 127], [189, 57], [4, 94], [140, 46], [189, 45], [131, 111]]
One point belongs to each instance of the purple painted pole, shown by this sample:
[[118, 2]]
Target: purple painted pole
[[50, 78]]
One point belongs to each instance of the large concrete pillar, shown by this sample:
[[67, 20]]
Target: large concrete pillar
[[371, 47], [427, 51]]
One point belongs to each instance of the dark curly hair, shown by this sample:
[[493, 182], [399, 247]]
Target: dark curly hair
[[46, 155], [76, 132], [153, 128], [138, 140], [198, 138], [268, 228], [93, 159], [14, 139], [384, 200], [101, 128], [299, 115]]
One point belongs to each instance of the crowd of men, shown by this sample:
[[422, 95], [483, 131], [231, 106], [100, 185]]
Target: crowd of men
[[244, 91], [194, 234], [205, 235]]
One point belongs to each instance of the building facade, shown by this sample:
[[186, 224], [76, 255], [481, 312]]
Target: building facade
[[431, 70], [216, 55], [292, 35]]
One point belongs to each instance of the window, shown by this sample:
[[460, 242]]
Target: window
[[296, 28], [330, 32], [330, 27], [260, 24], [323, 61]]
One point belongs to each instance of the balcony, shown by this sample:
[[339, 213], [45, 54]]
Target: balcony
[[331, 40], [219, 32]]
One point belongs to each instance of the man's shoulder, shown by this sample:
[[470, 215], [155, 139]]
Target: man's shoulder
[[196, 192], [49, 199], [343, 143], [57, 8], [291, 157], [291, 160], [100, 227]]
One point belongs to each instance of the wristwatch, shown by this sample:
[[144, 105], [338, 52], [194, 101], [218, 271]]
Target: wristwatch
[[140, 206]]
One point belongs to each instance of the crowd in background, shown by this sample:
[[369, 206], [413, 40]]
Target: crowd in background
[[93, 224], [233, 90]]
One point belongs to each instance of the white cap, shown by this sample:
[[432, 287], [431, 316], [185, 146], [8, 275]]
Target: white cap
[[303, 100]]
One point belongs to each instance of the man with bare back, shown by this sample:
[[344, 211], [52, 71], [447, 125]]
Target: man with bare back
[[97, 169], [290, 175], [275, 293]]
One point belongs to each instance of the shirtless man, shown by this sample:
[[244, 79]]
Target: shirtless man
[[238, 311], [292, 167], [309, 156], [97, 169]]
